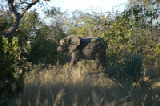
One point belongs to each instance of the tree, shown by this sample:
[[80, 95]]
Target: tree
[[11, 82], [145, 2], [46, 37], [87, 24], [17, 15], [56, 20], [43, 45]]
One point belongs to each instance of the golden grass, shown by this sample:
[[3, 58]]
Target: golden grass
[[82, 86]]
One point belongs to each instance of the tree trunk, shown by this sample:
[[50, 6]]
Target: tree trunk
[[17, 16], [13, 28]]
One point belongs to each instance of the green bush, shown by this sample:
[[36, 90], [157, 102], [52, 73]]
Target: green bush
[[132, 66], [44, 46], [127, 67], [158, 48], [43, 52], [10, 83]]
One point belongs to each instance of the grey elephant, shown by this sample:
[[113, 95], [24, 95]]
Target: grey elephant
[[91, 48]]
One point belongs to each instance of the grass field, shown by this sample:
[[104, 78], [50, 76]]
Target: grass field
[[84, 86]]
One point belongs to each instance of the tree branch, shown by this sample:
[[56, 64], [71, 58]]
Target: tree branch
[[12, 9], [29, 6], [16, 16], [22, 2]]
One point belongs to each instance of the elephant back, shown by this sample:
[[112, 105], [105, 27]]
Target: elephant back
[[89, 46]]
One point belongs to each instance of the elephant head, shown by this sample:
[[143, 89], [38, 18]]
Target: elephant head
[[69, 44]]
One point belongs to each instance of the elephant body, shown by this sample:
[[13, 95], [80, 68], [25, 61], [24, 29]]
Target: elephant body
[[90, 48]]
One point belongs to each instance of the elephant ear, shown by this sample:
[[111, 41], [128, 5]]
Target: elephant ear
[[74, 42], [61, 41], [64, 41]]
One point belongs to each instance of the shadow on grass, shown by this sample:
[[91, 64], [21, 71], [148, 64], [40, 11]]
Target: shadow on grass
[[81, 95], [83, 86]]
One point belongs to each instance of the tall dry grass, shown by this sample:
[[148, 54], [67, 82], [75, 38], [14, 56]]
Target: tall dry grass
[[83, 86]]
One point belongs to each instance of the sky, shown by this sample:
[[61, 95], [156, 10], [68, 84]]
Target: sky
[[104, 5], [84, 5]]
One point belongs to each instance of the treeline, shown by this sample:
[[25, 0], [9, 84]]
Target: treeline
[[132, 36]]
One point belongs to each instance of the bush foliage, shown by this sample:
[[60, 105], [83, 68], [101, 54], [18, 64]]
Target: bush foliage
[[10, 85]]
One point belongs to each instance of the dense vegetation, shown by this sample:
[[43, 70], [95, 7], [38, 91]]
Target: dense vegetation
[[133, 38]]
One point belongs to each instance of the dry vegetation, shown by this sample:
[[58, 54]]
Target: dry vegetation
[[84, 86], [81, 85]]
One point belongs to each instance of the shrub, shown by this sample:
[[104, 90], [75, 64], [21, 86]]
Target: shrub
[[43, 52], [10, 83], [127, 68], [132, 66]]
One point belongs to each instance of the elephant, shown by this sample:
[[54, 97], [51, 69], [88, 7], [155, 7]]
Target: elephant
[[90, 48]]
